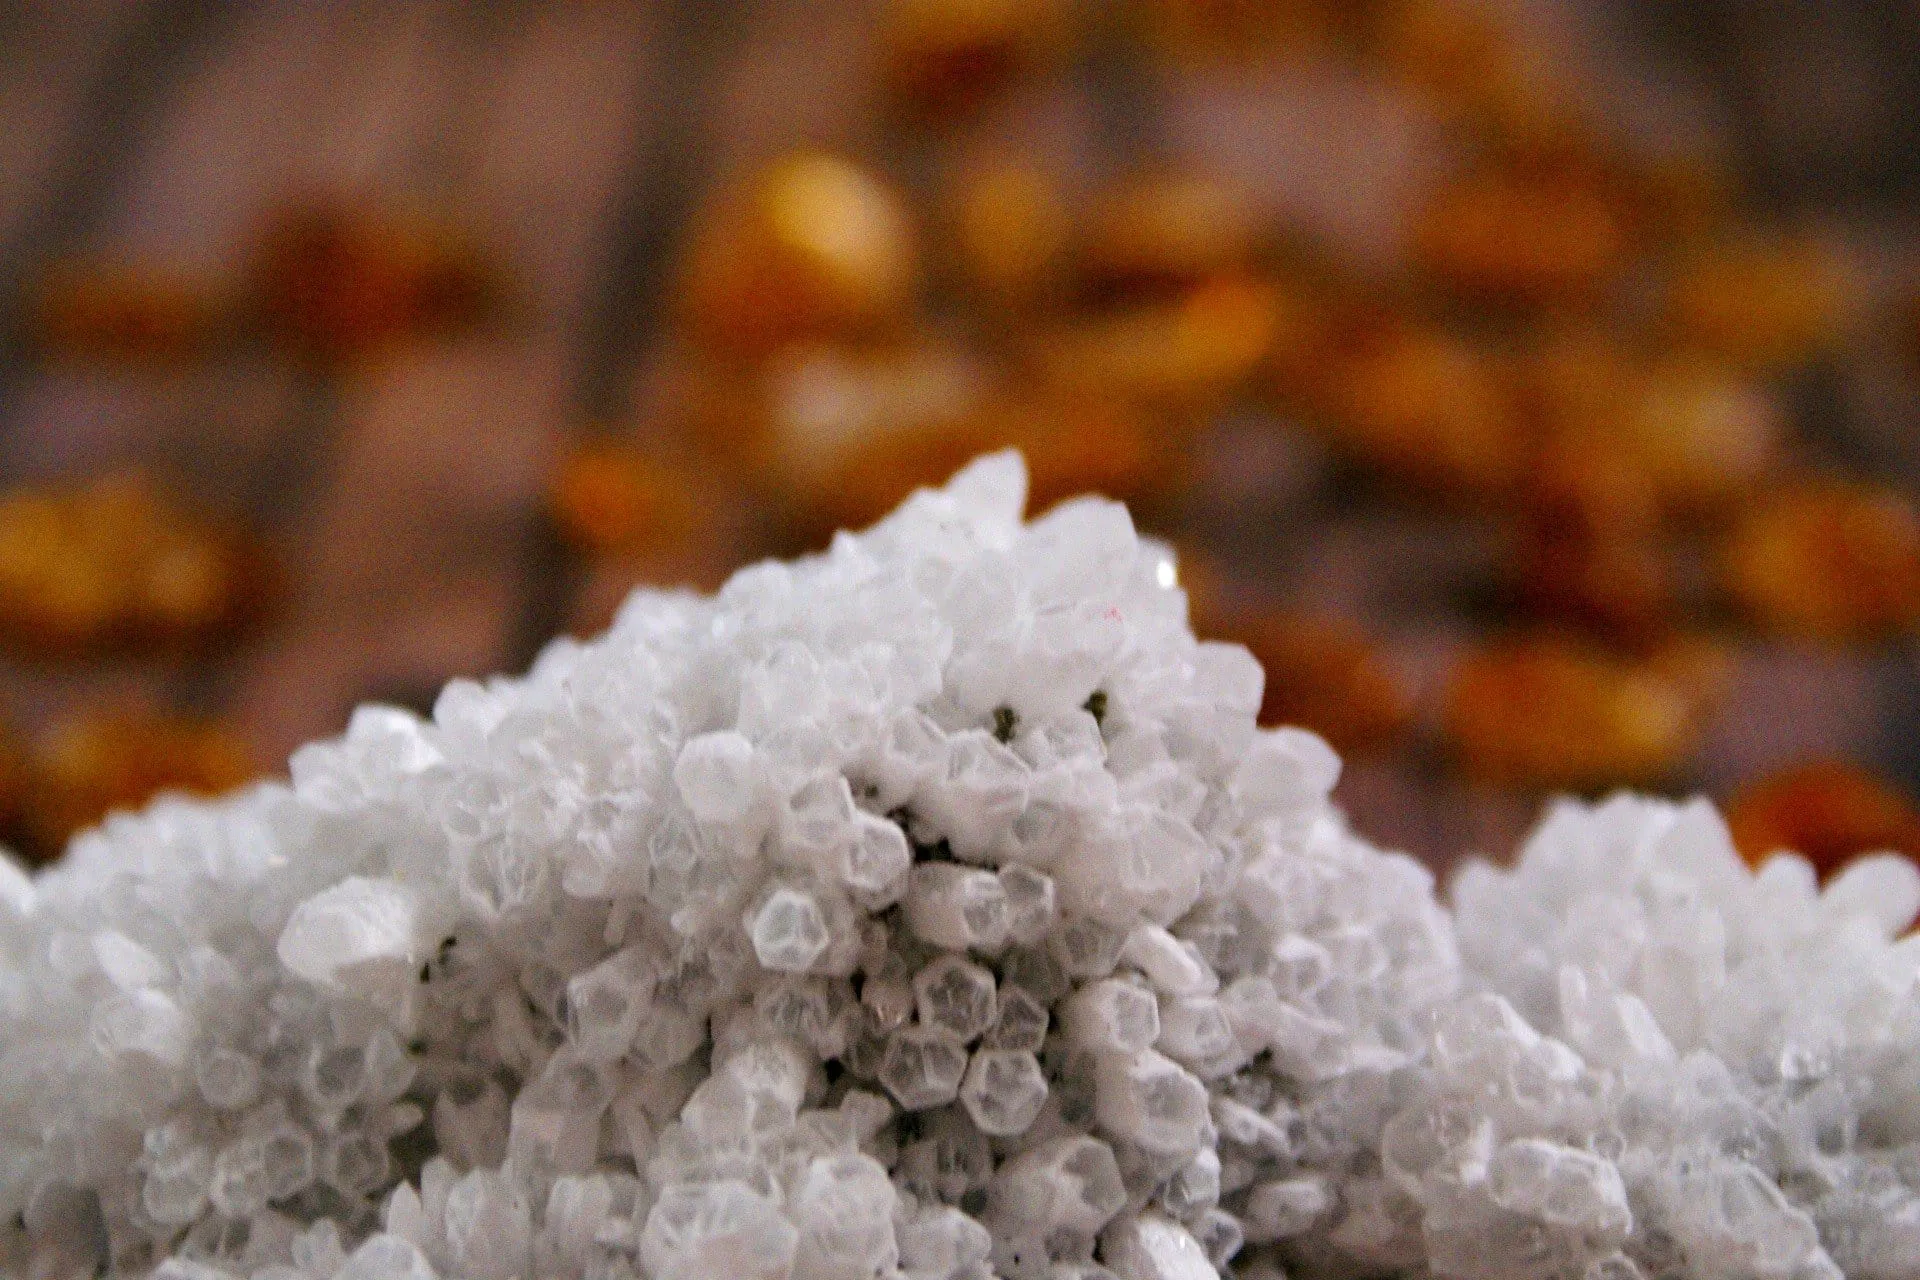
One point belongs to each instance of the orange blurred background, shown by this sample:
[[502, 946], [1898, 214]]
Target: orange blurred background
[[1530, 383]]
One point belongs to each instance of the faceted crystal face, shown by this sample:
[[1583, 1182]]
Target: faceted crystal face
[[956, 997], [1003, 1091], [789, 931], [923, 1066], [1021, 1024], [1112, 1016], [932, 909]]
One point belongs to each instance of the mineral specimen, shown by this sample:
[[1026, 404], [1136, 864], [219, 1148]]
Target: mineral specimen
[[931, 909]]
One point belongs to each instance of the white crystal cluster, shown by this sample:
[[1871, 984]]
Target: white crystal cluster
[[1671, 1067], [930, 909]]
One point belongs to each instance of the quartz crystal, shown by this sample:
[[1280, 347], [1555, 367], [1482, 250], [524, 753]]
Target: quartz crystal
[[932, 909]]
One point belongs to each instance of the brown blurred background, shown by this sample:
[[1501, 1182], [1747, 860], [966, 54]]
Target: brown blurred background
[[1532, 383]]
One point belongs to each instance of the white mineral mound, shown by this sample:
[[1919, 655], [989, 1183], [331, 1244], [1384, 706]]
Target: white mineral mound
[[931, 909]]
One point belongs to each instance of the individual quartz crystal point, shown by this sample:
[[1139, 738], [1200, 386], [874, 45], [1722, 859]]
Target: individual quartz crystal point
[[360, 933], [789, 931], [949, 905], [1152, 1247], [956, 997], [932, 908], [923, 1067], [1003, 1091], [718, 1230], [1111, 1016]]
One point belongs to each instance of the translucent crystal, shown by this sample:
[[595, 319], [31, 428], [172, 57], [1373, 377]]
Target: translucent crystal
[[717, 1229], [1568, 1189], [889, 1003], [789, 931], [923, 1067], [1003, 1091], [386, 1257], [1196, 1032], [1150, 1101], [1219, 1235], [241, 1185], [1884, 888], [718, 776], [334, 1077], [617, 971], [1111, 1016], [1171, 964], [1067, 1186], [489, 1228], [1022, 1021], [1088, 947], [1032, 906], [228, 1079], [956, 907], [176, 1191], [144, 1026], [877, 859], [358, 935], [1194, 1186], [956, 997], [843, 1208], [554, 1124], [126, 964], [470, 1121], [287, 1152], [940, 1241], [981, 789], [1149, 1246], [605, 1004], [1284, 1208], [952, 1161]]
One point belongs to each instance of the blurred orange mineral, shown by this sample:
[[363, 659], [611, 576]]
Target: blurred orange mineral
[[1522, 238], [117, 311], [1178, 354], [335, 281], [943, 58], [1429, 408], [1083, 444], [1168, 230], [16, 786], [1010, 230], [1545, 712], [849, 432], [114, 565], [1475, 69], [1761, 301], [119, 758], [1452, 49], [810, 247], [1704, 435], [1587, 548], [1237, 28], [844, 432], [1325, 674], [1827, 560], [1826, 810], [610, 498]]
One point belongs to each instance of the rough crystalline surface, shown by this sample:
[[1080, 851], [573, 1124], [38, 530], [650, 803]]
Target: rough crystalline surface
[[931, 909]]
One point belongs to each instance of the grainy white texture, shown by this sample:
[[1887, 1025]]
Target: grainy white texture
[[931, 909]]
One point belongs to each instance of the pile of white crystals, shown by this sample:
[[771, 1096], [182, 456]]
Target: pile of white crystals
[[930, 909], [1715, 1072]]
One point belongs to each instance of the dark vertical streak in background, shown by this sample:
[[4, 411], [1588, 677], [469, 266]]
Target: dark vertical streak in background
[[664, 176], [124, 98], [1770, 62], [1126, 96]]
